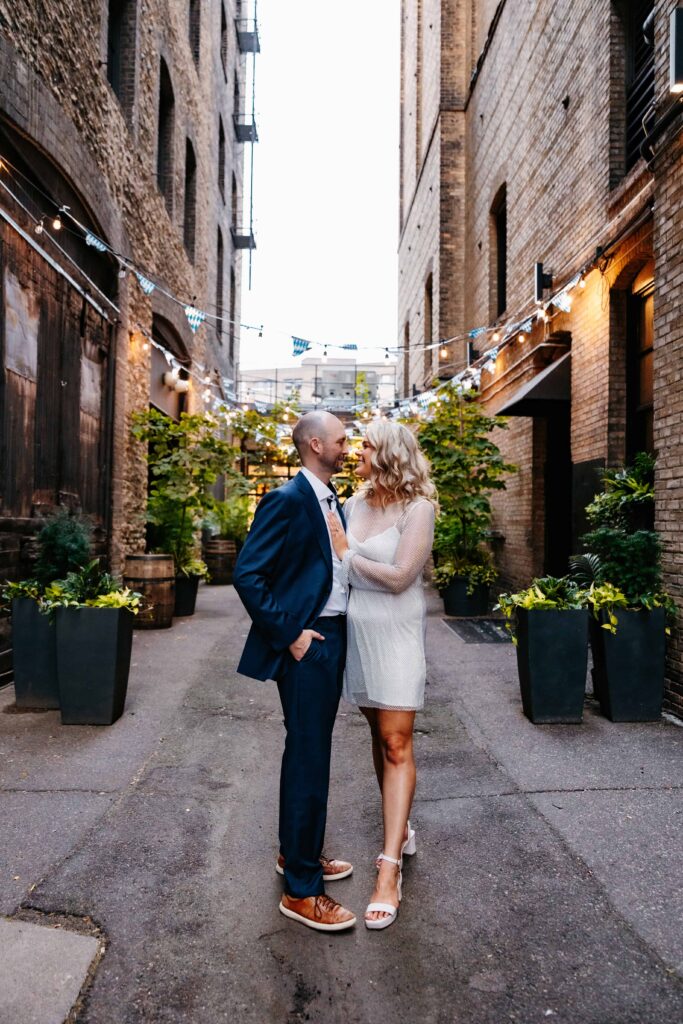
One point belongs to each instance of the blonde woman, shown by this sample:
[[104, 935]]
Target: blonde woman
[[390, 523]]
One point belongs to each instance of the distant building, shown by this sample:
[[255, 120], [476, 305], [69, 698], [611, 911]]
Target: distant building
[[335, 384]]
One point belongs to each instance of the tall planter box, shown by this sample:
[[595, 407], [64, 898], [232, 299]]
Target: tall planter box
[[93, 661], [629, 665], [34, 655], [552, 658], [457, 601], [186, 588]]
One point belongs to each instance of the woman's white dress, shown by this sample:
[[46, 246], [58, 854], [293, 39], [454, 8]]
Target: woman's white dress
[[388, 549]]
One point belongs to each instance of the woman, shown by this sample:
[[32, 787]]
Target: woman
[[390, 523]]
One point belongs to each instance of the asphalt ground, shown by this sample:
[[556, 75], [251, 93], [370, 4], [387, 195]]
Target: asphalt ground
[[546, 884]]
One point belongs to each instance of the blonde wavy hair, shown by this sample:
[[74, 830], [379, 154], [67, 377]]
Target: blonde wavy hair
[[399, 470]]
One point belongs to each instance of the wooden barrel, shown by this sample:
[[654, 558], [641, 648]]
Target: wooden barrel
[[220, 556], [153, 576]]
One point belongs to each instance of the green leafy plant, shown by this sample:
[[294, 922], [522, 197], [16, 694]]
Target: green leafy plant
[[628, 495], [630, 561], [231, 517], [478, 568], [195, 567], [547, 593], [10, 590], [63, 546], [186, 457], [467, 466], [89, 587]]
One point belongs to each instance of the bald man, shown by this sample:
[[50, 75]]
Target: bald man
[[289, 580]]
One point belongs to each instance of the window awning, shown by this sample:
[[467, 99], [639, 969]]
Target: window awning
[[543, 394]]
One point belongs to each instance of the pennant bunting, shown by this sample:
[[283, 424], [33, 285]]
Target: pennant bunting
[[562, 301], [145, 283], [476, 331], [299, 346], [96, 243], [195, 318], [353, 348]]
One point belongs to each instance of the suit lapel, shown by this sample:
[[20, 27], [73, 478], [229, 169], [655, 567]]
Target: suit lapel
[[315, 514]]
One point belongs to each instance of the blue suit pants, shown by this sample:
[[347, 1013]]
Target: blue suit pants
[[309, 693]]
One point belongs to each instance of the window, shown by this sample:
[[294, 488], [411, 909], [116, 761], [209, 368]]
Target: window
[[194, 16], [406, 360], [219, 284], [639, 378], [221, 158], [121, 37], [224, 40], [498, 254], [236, 101], [165, 139], [632, 82], [428, 352], [190, 218], [640, 73], [235, 204], [233, 325]]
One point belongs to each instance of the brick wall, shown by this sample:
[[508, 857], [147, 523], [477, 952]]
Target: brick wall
[[55, 90], [544, 115]]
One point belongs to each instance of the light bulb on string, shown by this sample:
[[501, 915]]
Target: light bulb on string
[[443, 352], [40, 226], [57, 223], [582, 281], [495, 337]]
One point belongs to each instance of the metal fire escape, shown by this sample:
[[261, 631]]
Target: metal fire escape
[[245, 127]]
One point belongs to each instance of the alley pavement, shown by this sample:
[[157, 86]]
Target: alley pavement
[[137, 876]]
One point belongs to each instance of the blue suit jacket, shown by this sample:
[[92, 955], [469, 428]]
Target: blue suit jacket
[[283, 575]]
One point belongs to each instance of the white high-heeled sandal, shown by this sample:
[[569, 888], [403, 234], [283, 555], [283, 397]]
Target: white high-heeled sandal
[[408, 849], [385, 908]]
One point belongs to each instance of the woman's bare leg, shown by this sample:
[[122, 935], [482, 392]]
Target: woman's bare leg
[[377, 757], [395, 737]]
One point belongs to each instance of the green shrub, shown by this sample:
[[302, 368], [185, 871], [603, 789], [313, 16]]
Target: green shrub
[[63, 546]]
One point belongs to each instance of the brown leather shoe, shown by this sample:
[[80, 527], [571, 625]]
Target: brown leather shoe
[[319, 912], [333, 870]]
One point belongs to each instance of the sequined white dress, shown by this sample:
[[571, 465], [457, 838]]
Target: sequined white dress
[[388, 549]]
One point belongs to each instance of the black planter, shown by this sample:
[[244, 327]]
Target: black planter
[[34, 656], [458, 602], [628, 672], [185, 595], [552, 658], [93, 662]]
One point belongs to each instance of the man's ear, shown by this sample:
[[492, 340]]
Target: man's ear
[[316, 445]]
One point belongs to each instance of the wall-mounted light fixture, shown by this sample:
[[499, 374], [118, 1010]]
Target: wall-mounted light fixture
[[541, 281], [676, 51]]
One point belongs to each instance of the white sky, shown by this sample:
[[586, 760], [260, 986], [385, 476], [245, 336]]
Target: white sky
[[326, 179]]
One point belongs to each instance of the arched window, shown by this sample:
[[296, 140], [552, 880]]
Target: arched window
[[165, 139], [219, 284], [221, 157], [121, 51], [190, 218], [194, 15]]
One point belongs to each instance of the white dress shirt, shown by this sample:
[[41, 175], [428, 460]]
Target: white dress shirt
[[337, 601]]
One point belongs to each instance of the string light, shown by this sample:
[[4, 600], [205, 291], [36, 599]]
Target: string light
[[39, 228], [57, 223]]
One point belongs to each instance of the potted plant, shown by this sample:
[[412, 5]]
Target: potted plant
[[230, 519], [622, 568], [186, 458], [549, 625], [467, 466], [628, 642], [94, 635], [63, 545]]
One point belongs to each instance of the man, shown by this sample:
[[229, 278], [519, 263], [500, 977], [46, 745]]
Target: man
[[289, 580]]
